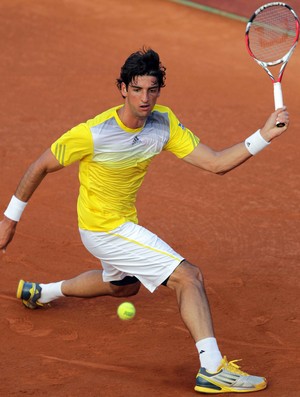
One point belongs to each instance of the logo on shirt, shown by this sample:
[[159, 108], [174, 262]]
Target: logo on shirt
[[135, 140], [181, 126]]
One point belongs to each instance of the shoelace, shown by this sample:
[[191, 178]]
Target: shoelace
[[232, 367]]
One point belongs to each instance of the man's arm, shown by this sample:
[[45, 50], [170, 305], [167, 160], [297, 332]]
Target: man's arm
[[220, 162], [34, 175]]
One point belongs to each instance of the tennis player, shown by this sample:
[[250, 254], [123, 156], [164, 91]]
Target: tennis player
[[114, 151]]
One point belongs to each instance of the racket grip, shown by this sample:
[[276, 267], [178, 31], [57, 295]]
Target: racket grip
[[278, 99]]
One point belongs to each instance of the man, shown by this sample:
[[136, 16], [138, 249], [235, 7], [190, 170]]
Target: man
[[114, 150]]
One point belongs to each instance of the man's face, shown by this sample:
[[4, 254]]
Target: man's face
[[141, 95]]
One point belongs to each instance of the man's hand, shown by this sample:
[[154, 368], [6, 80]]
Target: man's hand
[[270, 130], [7, 232]]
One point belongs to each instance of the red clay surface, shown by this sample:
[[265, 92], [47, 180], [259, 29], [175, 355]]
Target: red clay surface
[[59, 60], [244, 8]]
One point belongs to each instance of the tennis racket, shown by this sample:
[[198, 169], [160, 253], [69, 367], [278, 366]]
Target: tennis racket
[[271, 36]]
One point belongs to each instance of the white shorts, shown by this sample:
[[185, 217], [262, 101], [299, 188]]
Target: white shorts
[[132, 250]]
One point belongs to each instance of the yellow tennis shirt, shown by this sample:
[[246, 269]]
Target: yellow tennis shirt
[[113, 161]]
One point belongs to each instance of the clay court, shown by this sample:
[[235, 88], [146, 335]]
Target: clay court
[[59, 61]]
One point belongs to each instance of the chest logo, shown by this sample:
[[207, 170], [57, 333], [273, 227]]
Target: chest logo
[[135, 140]]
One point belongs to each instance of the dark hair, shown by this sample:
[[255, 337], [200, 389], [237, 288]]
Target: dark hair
[[145, 62]]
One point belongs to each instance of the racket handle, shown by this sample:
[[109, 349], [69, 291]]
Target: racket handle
[[278, 99]]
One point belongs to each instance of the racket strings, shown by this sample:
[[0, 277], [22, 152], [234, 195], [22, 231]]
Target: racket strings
[[272, 34]]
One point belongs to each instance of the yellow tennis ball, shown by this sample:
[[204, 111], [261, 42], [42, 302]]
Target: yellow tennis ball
[[126, 311]]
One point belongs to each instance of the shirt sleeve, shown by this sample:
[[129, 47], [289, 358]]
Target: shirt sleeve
[[75, 145], [182, 141]]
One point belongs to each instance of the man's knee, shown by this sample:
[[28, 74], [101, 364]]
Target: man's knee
[[185, 274]]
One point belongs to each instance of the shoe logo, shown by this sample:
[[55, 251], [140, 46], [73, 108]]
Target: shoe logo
[[227, 378], [202, 351]]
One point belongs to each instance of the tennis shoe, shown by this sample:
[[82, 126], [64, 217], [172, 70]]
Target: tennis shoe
[[228, 378], [29, 293]]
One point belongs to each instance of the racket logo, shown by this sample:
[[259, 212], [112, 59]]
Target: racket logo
[[282, 37]]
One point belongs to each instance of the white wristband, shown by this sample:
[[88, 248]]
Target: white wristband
[[255, 143], [15, 209]]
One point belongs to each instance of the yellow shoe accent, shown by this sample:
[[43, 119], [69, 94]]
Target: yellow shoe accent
[[20, 289]]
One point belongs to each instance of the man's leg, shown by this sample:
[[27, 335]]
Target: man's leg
[[86, 285], [90, 284], [216, 375], [187, 281]]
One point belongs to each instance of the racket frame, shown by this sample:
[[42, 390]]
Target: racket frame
[[278, 98]]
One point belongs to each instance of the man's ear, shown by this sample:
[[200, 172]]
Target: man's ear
[[124, 90]]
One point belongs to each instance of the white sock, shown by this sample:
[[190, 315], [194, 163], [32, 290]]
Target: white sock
[[50, 292], [209, 354]]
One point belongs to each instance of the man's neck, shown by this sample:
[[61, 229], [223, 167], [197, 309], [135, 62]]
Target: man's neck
[[129, 120]]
